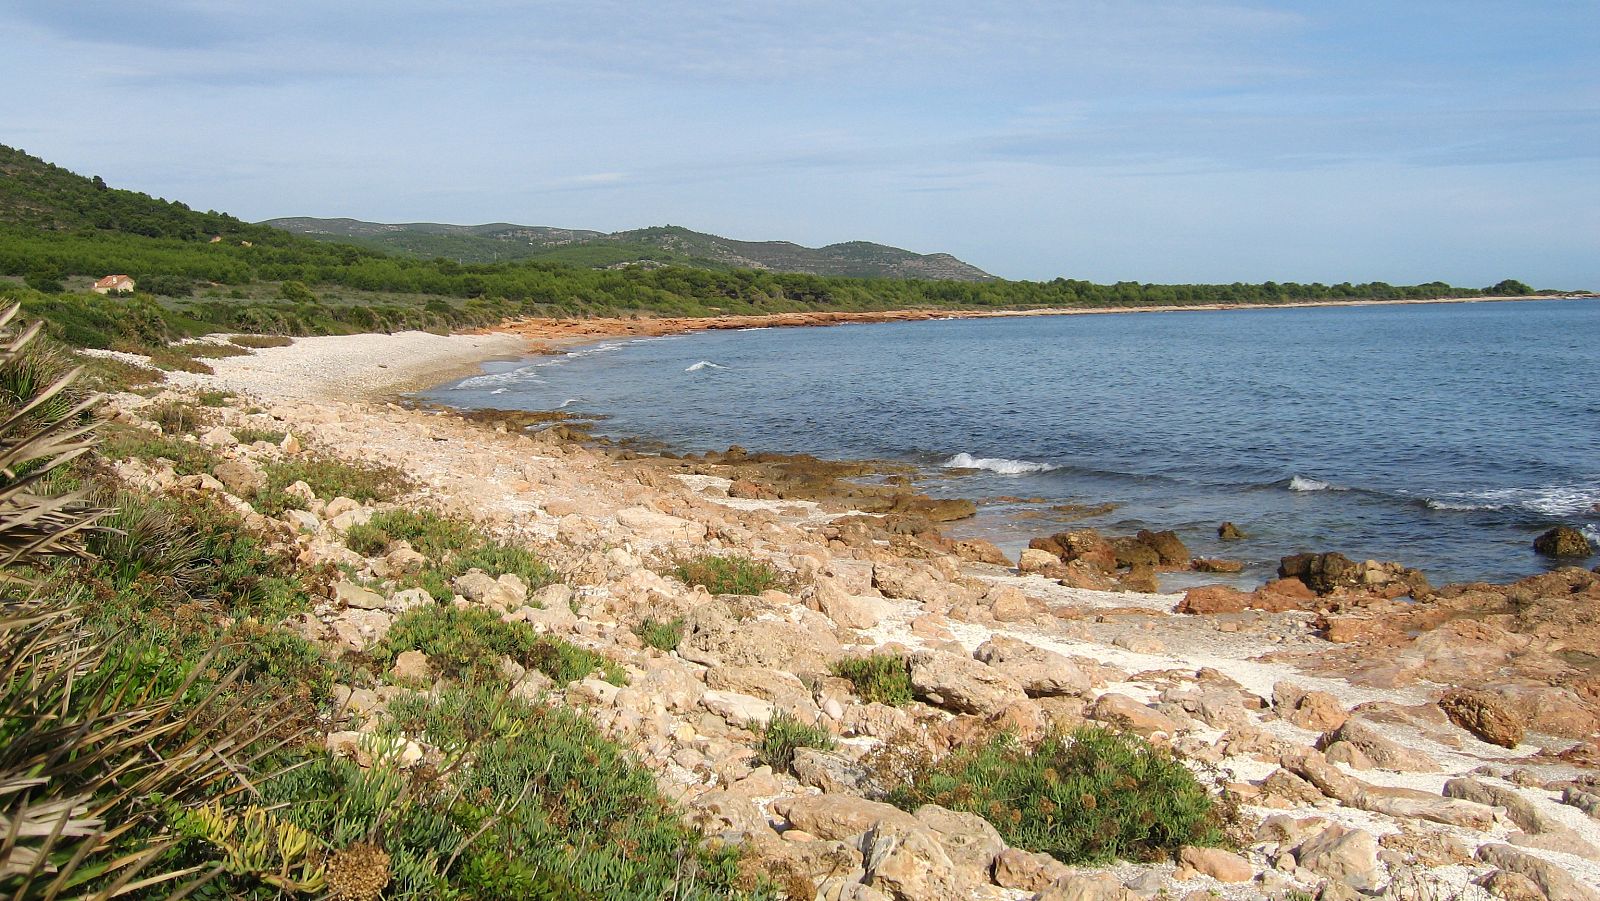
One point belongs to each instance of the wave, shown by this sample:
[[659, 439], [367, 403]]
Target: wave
[[704, 364], [567, 403], [1550, 500], [996, 464], [1304, 483], [509, 378]]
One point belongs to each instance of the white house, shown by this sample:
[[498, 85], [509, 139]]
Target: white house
[[114, 284]]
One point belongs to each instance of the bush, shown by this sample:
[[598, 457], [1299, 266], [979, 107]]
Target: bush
[[663, 636], [533, 803], [467, 644], [783, 735], [1089, 797], [121, 442], [729, 574], [256, 342], [881, 678], [176, 417]]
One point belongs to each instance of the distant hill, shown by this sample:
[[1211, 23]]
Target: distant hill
[[40, 195], [662, 245]]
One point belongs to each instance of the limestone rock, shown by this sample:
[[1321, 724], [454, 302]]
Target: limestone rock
[[1223, 866], [783, 690], [1382, 751], [239, 477], [1485, 715], [1086, 887], [1027, 870], [962, 684], [411, 666], [715, 636], [969, 840], [1348, 855], [1126, 713], [647, 523], [839, 817], [1040, 672], [349, 594], [908, 864], [738, 710], [1551, 879], [830, 772]]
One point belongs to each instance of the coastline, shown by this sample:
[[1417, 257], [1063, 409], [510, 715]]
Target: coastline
[[538, 328], [1220, 677]]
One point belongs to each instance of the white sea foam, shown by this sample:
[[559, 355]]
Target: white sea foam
[[1550, 500], [510, 378], [567, 403], [704, 364], [996, 464], [1302, 483]]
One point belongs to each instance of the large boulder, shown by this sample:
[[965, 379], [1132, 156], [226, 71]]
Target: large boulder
[[1170, 549], [909, 864], [783, 690], [1485, 715], [1382, 751], [715, 635], [1125, 713], [1348, 855], [969, 840], [1561, 541], [962, 684], [1322, 573], [648, 523], [839, 817], [1041, 673]]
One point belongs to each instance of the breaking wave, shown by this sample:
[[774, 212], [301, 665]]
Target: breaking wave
[[1555, 500], [1304, 483], [996, 464], [704, 364]]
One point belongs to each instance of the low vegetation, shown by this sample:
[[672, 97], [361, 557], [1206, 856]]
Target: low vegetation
[[878, 678], [452, 547], [730, 574], [467, 645], [1087, 797], [663, 636], [783, 735], [328, 478]]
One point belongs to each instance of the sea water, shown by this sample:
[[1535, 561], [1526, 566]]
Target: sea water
[[1444, 436]]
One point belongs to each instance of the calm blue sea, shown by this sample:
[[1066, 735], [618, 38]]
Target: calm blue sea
[[1444, 436]]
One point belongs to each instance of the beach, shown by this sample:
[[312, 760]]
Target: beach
[[1317, 702]]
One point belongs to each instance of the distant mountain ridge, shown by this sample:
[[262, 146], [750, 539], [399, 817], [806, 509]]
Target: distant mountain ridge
[[659, 245]]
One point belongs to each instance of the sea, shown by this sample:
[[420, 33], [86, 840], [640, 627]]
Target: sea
[[1443, 436]]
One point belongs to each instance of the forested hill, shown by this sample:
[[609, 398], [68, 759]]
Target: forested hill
[[663, 245], [41, 195]]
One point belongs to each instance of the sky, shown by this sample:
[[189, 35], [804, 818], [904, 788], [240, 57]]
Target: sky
[[1394, 140]]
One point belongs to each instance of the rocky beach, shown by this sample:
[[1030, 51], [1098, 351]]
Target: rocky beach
[[1368, 733]]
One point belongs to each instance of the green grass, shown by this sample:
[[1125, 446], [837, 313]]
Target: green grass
[[451, 546], [1088, 797], [248, 435], [256, 342], [729, 574], [177, 417], [467, 645], [212, 398], [881, 678], [663, 636], [783, 735]]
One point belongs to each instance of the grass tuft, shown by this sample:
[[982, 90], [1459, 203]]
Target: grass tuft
[[783, 735], [663, 636], [881, 678], [729, 574], [467, 644], [329, 478]]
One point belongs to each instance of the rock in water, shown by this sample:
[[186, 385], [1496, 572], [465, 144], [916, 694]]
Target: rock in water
[[1563, 541], [1230, 532]]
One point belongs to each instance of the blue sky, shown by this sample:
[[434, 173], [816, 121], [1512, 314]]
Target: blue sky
[[1153, 141]]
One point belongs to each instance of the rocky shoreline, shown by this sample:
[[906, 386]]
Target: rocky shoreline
[[1376, 736]]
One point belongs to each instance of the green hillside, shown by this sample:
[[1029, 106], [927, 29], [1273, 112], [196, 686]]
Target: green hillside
[[661, 245]]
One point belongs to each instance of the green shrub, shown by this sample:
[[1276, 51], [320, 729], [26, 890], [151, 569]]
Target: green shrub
[[535, 803], [248, 435], [783, 735], [729, 574], [467, 644], [451, 546], [212, 398], [663, 636], [1088, 797], [884, 678]]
